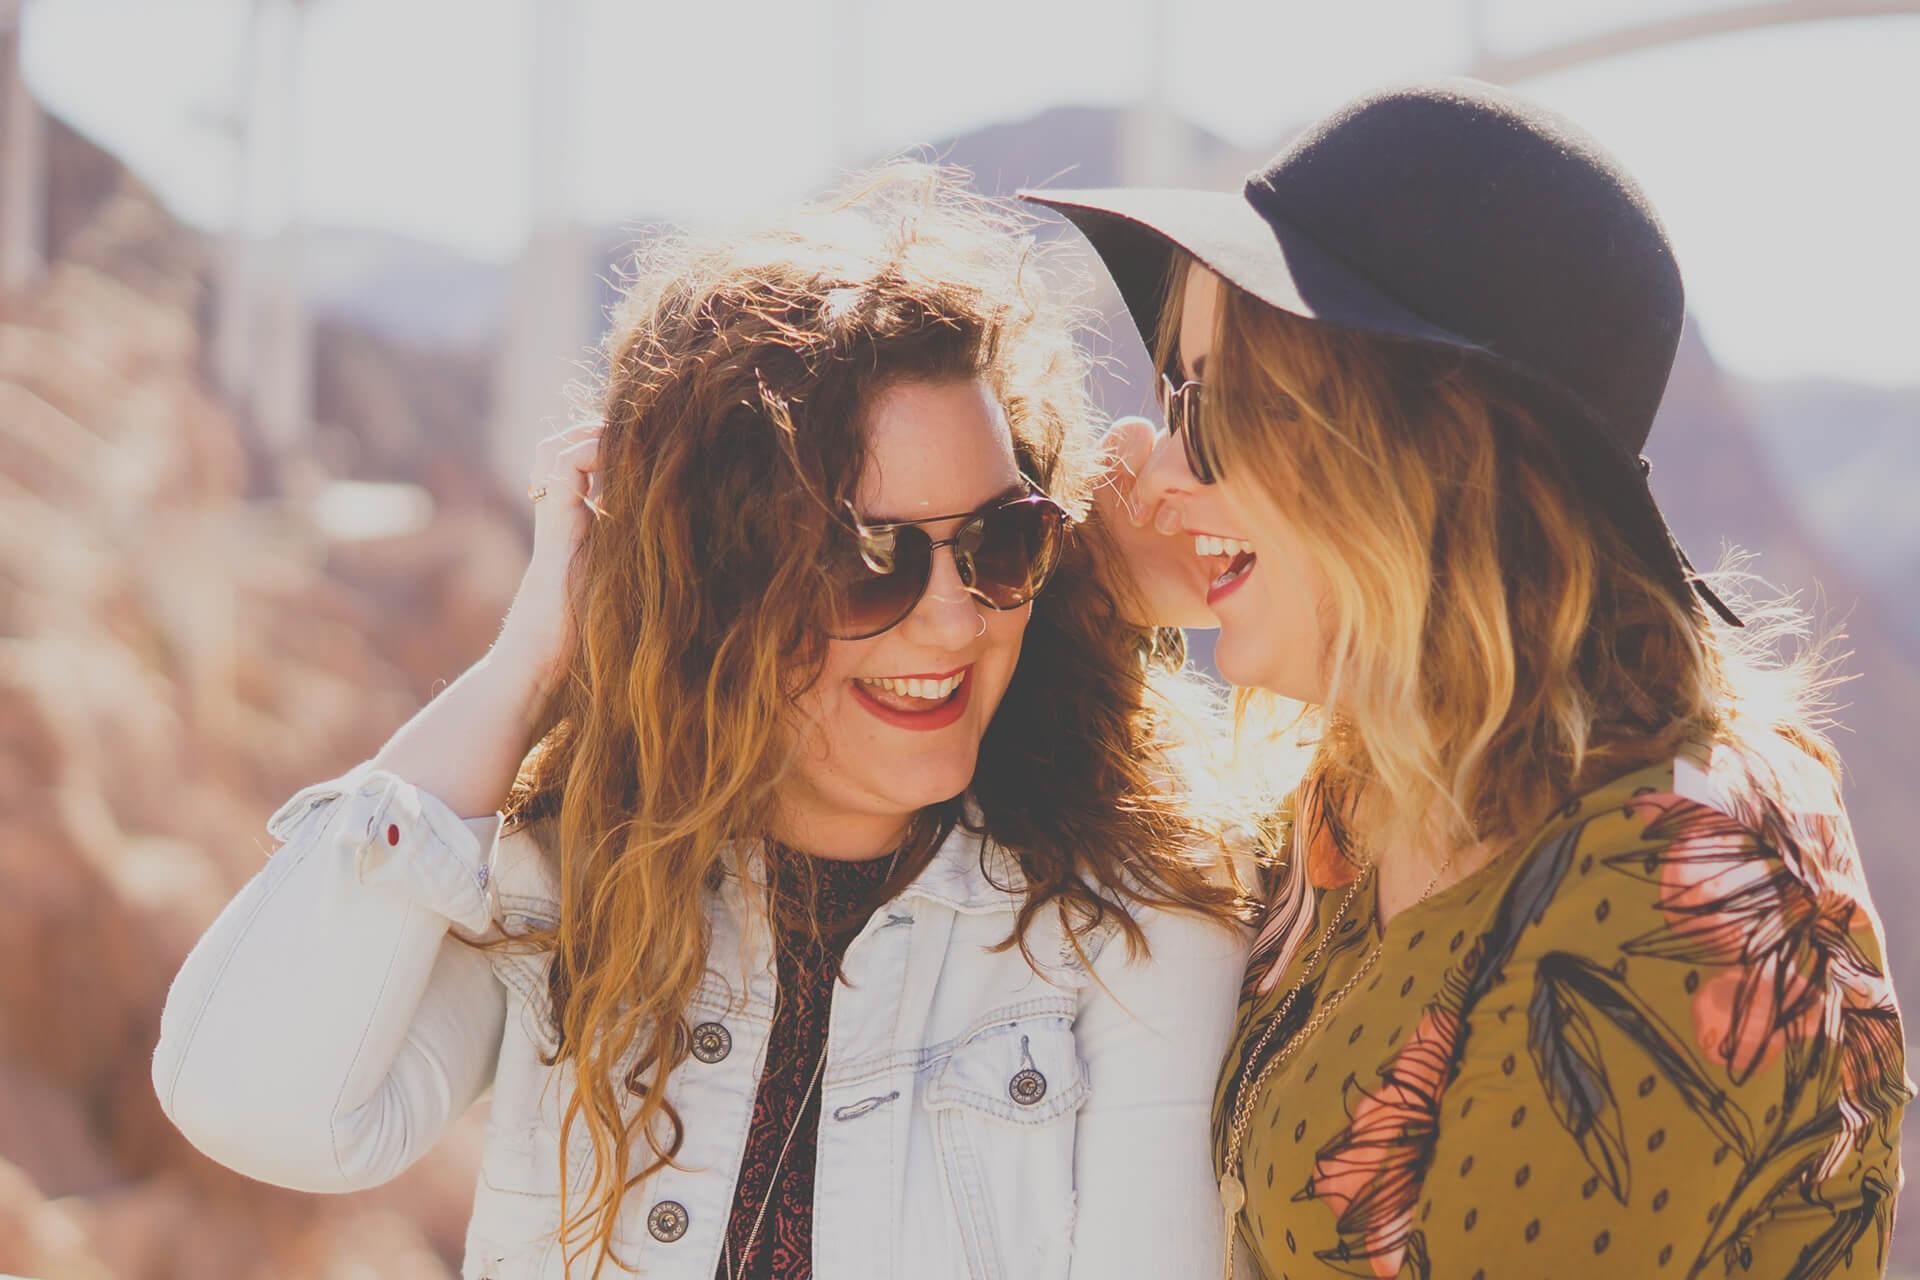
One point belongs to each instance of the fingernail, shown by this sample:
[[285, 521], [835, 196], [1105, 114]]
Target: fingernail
[[1166, 520]]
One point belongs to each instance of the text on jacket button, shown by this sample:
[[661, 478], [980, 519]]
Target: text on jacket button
[[1027, 1086], [711, 1042], [667, 1221]]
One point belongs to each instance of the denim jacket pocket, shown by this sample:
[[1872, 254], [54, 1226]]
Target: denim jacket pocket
[[515, 1230], [516, 1222], [1003, 1105], [513, 1237]]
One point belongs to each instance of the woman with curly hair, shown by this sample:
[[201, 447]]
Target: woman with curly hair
[[1570, 968], [840, 919]]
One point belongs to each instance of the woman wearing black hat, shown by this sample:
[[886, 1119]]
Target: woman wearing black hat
[[1571, 968]]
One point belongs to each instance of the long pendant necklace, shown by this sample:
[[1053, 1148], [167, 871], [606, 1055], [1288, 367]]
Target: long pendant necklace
[[773, 1177], [1233, 1190]]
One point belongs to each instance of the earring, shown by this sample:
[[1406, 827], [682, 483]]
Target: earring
[[983, 625]]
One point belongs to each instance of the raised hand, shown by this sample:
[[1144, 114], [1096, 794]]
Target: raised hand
[[538, 629], [466, 745], [1156, 571]]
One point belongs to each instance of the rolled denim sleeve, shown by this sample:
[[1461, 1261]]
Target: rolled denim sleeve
[[1152, 1032], [328, 1027]]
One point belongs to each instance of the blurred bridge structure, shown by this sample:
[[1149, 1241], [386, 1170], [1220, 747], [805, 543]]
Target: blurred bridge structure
[[262, 349], [23, 164], [1635, 37]]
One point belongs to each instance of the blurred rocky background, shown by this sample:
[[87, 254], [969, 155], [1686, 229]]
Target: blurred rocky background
[[178, 650], [203, 607]]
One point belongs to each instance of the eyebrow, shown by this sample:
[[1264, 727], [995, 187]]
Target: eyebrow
[[1190, 372], [1017, 489]]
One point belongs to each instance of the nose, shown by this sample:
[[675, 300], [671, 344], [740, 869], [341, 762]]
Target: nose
[[947, 617], [1163, 482]]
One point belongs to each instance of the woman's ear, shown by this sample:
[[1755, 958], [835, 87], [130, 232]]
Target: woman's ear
[[1126, 447]]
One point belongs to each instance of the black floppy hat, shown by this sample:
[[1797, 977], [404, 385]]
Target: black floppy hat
[[1451, 213]]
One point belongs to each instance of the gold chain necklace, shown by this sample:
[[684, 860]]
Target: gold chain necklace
[[1233, 1191]]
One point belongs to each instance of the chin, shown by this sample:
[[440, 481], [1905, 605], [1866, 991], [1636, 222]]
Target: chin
[[1235, 664], [929, 782], [1253, 666]]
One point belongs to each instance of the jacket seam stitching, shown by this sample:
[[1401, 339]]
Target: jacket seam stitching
[[474, 877], [333, 1112], [267, 896]]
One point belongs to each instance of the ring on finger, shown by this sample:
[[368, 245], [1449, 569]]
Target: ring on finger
[[535, 492]]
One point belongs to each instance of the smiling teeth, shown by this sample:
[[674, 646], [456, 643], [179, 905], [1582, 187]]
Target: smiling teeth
[[932, 690], [1205, 544]]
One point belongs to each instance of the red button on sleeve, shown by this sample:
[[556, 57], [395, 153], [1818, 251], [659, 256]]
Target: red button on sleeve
[[393, 833]]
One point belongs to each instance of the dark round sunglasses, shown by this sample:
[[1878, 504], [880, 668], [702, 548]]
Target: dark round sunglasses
[[1180, 405], [1004, 553]]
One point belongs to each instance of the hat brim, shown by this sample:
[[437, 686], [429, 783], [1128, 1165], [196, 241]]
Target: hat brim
[[1135, 232]]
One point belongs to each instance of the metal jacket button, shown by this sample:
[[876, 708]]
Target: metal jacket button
[[668, 1221], [711, 1042], [1028, 1086]]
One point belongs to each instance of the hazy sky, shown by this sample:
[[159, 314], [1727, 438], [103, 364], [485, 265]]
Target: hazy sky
[[1784, 161]]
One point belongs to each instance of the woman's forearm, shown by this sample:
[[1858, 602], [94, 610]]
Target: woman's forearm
[[466, 745]]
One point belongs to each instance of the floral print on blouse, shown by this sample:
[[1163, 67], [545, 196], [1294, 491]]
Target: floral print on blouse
[[1658, 1041]]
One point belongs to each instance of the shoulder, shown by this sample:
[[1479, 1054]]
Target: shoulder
[[983, 881], [1175, 937], [523, 878], [1184, 958], [1712, 852], [1713, 912]]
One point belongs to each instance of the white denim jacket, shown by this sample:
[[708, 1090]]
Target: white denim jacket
[[332, 1023]]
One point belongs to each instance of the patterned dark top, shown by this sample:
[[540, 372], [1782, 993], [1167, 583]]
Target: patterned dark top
[[788, 1099], [1653, 1043]]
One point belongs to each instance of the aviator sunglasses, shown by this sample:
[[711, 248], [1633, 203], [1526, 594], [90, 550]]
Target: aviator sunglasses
[[1180, 405], [1004, 553]]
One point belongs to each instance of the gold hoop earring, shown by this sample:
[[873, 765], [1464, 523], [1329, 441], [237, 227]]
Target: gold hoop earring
[[983, 625]]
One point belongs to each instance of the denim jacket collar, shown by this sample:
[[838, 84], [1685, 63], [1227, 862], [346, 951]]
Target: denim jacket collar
[[969, 874]]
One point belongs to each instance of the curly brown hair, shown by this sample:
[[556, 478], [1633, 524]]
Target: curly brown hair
[[737, 373]]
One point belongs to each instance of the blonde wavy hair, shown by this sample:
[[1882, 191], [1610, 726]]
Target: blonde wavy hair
[[737, 374], [1495, 643]]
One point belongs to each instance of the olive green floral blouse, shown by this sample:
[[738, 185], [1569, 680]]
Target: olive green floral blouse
[[1658, 1041]]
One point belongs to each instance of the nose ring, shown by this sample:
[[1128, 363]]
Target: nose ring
[[983, 625]]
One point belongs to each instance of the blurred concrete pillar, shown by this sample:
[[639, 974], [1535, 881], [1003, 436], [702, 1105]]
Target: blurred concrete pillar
[[1150, 152], [263, 331], [283, 374], [232, 339], [849, 84], [1476, 22], [551, 319], [23, 163]]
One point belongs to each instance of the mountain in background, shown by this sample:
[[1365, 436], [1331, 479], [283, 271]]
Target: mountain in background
[[1849, 459], [1085, 147], [398, 287]]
